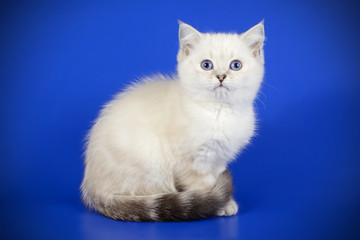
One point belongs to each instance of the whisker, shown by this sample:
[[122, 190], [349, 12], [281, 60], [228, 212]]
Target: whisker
[[271, 86], [261, 102], [263, 94], [256, 106]]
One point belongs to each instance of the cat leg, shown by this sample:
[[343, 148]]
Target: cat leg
[[230, 208], [195, 181]]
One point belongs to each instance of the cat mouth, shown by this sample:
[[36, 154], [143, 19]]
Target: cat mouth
[[221, 87]]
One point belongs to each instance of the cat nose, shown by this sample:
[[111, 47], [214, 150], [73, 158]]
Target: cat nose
[[221, 77]]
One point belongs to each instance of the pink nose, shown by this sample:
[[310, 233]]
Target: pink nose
[[221, 77]]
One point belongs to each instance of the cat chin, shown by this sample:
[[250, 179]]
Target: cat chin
[[221, 92]]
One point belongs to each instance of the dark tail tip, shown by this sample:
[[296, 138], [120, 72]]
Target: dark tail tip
[[195, 205]]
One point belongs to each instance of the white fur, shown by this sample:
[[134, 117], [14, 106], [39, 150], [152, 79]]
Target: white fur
[[181, 130]]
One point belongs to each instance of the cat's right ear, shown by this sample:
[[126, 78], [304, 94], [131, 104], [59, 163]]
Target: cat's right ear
[[188, 37]]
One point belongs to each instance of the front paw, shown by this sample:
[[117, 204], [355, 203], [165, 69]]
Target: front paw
[[231, 208]]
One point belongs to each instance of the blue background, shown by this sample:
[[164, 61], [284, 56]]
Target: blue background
[[60, 61]]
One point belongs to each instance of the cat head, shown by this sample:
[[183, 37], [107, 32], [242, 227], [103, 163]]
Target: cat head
[[225, 67]]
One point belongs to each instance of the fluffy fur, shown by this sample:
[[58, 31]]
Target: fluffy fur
[[159, 150]]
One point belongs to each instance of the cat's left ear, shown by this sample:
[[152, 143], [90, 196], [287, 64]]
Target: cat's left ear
[[188, 37], [254, 38]]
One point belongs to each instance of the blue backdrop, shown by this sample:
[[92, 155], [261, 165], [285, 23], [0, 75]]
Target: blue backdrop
[[60, 61]]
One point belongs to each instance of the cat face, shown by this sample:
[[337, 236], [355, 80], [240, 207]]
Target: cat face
[[227, 67]]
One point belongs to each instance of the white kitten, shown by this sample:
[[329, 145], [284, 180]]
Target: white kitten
[[159, 150]]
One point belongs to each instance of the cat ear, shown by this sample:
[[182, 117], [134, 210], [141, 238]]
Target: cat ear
[[254, 38], [188, 36]]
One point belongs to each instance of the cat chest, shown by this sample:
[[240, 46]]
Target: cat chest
[[224, 131]]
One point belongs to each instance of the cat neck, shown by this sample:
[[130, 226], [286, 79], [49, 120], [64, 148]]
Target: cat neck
[[214, 104]]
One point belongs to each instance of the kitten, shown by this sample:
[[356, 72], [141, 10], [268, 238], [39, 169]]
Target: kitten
[[159, 150]]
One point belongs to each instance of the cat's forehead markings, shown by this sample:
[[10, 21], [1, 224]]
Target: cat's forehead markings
[[211, 54], [223, 53], [222, 45]]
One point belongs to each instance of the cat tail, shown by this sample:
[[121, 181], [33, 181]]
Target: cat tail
[[177, 206]]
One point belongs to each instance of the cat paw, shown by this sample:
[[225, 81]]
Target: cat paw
[[231, 208]]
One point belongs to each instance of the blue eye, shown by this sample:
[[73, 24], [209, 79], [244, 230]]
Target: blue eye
[[235, 65], [207, 65]]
